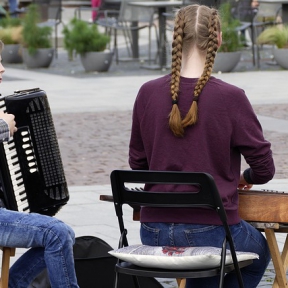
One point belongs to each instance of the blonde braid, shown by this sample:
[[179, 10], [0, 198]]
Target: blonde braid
[[175, 115], [192, 115]]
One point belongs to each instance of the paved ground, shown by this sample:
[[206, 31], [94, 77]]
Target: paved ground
[[94, 140], [92, 113]]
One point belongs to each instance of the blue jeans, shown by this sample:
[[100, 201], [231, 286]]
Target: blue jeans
[[51, 246], [246, 238], [13, 5]]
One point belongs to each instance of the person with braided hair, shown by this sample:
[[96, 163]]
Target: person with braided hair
[[189, 120]]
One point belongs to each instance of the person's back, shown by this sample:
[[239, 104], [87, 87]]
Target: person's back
[[212, 145], [190, 121]]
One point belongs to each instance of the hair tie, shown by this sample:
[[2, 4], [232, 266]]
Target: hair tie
[[174, 101], [195, 98]]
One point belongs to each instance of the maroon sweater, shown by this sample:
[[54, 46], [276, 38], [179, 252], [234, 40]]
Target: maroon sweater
[[227, 127]]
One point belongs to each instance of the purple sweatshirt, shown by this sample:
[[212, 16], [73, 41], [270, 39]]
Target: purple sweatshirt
[[227, 127]]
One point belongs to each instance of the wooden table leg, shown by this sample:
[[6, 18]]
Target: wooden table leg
[[181, 282], [284, 255], [284, 258], [280, 270]]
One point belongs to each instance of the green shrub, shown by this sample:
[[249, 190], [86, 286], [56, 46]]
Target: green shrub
[[81, 37], [11, 35], [35, 36], [231, 40], [10, 22], [274, 35], [10, 30]]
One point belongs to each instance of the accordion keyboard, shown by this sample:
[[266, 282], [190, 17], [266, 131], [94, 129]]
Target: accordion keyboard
[[31, 172], [15, 170]]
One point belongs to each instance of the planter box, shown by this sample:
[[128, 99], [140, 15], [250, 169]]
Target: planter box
[[12, 54], [41, 59], [281, 57], [97, 61], [226, 61]]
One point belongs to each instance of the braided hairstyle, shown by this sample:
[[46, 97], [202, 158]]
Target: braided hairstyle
[[195, 25]]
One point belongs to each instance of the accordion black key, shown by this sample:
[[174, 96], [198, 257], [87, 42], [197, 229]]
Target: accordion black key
[[31, 170]]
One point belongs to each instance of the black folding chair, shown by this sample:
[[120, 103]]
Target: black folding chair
[[207, 195], [129, 20]]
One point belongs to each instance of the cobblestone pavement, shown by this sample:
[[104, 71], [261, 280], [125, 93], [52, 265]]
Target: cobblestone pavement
[[89, 155]]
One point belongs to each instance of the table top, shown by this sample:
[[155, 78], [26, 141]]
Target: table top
[[157, 3]]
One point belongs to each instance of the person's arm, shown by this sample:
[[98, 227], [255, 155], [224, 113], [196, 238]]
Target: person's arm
[[249, 139], [137, 155]]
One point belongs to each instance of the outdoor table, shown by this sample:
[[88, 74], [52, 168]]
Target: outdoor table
[[161, 8], [284, 4]]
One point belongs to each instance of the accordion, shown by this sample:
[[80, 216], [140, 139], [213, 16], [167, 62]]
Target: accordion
[[31, 170]]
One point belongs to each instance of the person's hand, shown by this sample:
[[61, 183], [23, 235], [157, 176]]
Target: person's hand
[[243, 185], [10, 120]]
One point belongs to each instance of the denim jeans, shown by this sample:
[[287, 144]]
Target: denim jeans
[[246, 238], [51, 246], [13, 5]]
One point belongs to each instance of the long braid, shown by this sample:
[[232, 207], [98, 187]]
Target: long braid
[[175, 115], [192, 115]]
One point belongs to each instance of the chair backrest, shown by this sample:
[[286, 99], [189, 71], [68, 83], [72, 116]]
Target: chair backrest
[[55, 10], [129, 13], [207, 194], [204, 193], [49, 9], [110, 5], [243, 10]]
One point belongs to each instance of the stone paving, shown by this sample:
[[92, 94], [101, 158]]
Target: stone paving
[[94, 143]]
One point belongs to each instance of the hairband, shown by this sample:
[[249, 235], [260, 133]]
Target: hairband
[[195, 98], [175, 101]]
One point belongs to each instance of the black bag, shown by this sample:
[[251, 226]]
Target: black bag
[[95, 266]]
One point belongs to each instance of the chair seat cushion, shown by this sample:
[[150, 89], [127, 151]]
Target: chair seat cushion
[[176, 257]]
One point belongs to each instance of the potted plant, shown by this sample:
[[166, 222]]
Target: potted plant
[[229, 53], [11, 35], [36, 42], [278, 36], [84, 39]]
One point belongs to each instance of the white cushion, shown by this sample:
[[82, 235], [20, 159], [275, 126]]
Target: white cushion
[[176, 257]]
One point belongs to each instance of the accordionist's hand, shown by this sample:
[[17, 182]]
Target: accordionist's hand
[[10, 120]]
